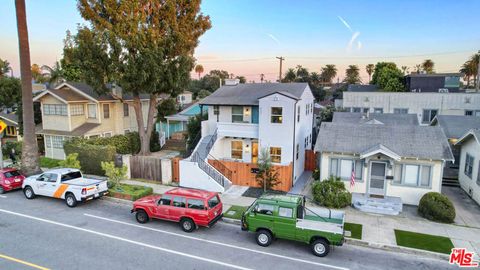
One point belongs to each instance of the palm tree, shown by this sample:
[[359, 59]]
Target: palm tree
[[352, 75], [427, 66], [4, 67], [290, 75], [370, 68], [199, 70], [30, 163], [315, 79], [467, 71], [262, 77], [474, 62], [328, 73], [54, 74], [37, 74], [302, 74], [404, 70], [418, 68]]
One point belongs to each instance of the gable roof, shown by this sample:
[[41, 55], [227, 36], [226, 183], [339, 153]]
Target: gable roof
[[455, 126], [10, 118], [475, 133], [375, 118], [408, 141], [249, 93]]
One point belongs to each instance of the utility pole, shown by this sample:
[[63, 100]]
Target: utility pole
[[280, 74], [478, 73]]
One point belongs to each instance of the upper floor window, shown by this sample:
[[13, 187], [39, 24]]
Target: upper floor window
[[106, 111], [77, 109], [92, 110], [472, 112], [216, 111], [468, 170], [237, 149], [378, 110], [54, 109], [428, 115], [276, 115], [400, 110], [125, 110], [237, 114], [276, 154]]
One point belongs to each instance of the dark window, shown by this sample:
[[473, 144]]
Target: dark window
[[165, 200], [196, 204], [468, 165], [179, 201], [106, 111], [11, 174], [428, 116], [356, 109], [298, 150], [125, 109], [71, 175], [214, 201], [266, 209], [276, 115], [298, 114]]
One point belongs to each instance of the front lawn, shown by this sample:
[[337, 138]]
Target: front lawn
[[424, 241], [46, 162], [355, 229], [235, 212], [129, 192]]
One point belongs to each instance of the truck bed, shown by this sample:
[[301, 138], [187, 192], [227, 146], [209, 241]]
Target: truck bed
[[83, 182], [322, 219]]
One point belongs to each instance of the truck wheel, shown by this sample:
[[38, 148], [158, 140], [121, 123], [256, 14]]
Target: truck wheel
[[320, 248], [70, 200], [142, 216], [264, 238], [187, 225], [29, 194]]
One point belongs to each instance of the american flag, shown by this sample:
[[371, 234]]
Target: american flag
[[352, 179]]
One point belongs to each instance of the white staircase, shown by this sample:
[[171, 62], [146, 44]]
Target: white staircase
[[385, 206]]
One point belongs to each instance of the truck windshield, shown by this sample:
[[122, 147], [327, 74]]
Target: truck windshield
[[71, 175]]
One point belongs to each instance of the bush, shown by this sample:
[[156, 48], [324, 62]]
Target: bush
[[90, 156], [7, 148], [130, 192], [46, 162], [436, 207], [331, 193], [316, 174], [114, 174], [70, 162]]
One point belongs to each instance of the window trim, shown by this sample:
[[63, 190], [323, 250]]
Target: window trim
[[238, 114], [418, 184], [472, 158], [77, 109], [55, 109], [126, 110], [400, 109], [429, 115], [236, 149], [107, 114], [92, 105], [278, 116], [358, 176], [279, 155]]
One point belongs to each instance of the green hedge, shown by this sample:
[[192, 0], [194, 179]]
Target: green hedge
[[436, 207], [131, 192], [90, 156], [331, 193], [7, 148]]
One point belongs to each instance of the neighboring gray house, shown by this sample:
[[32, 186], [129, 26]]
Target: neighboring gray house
[[375, 118], [394, 164], [469, 173]]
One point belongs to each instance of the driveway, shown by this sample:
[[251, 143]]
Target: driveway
[[467, 210]]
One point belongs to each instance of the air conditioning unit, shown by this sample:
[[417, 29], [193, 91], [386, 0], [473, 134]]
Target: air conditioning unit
[[443, 90]]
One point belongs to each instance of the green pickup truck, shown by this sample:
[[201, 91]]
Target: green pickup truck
[[286, 217]]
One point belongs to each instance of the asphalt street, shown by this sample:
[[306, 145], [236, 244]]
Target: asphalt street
[[45, 234]]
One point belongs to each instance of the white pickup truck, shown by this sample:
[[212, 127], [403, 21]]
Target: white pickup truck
[[65, 183]]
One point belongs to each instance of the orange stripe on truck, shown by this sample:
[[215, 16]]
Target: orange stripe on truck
[[60, 190]]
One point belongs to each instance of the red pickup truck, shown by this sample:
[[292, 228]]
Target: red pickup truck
[[190, 207]]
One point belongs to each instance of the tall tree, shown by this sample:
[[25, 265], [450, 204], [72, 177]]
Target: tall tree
[[290, 75], [37, 74], [404, 70], [370, 68], [379, 66], [199, 70], [427, 66], [328, 73], [53, 74], [352, 75], [4, 67], [302, 74], [30, 164], [143, 46]]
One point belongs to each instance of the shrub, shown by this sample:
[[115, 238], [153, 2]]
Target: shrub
[[331, 193], [70, 162], [267, 176], [90, 156], [114, 174], [316, 174], [46, 162], [436, 207], [7, 148]]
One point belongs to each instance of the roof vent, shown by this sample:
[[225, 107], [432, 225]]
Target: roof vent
[[232, 82]]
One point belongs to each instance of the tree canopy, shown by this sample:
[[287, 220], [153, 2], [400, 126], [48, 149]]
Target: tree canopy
[[352, 75]]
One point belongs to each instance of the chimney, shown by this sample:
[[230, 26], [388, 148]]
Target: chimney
[[232, 82]]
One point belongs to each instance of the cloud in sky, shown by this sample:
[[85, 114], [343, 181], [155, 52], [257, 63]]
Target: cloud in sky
[[345, 23], [274, 38], [354, 35]]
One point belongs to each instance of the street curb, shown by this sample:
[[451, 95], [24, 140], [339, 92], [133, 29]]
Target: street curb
[[231, 221], [405, 250], [117, 200]]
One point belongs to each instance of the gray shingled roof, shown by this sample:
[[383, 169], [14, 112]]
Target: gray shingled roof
[[424, 142], [10, 118], [455, 126], [249, 93], [385, 118], [87, 89], [362, 88]]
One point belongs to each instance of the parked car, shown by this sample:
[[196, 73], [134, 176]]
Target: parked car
[[10, 179], [68, 184], [286, 217], [189, 207]]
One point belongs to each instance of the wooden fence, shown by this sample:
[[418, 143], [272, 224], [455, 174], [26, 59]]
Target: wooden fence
[[146, 167], [310, 160], [176, 169], [243, 175]]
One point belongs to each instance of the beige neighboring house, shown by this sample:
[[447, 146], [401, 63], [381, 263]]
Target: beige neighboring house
[[469, 171], [76, 110], [184, 98]]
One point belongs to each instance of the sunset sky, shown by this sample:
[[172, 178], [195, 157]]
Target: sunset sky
[[247, 35]]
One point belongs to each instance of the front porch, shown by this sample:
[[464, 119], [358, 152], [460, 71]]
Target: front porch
[[385, 205]]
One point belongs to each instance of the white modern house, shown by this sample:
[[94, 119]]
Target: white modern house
[[393, 164], [244, 120], [426, 105], [469, 172]]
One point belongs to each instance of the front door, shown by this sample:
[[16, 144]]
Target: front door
[[377, 178]]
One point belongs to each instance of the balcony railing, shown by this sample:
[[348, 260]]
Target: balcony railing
[[242, 130]]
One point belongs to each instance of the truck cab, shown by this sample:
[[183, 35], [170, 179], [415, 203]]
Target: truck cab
[[287, 217]]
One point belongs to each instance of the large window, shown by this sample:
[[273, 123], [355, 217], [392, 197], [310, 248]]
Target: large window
[[428, 116], [237, 114], [54, 109], [400, 110], [125, 110], [237, 149], [468, 170], [106, 111], [276, 115], [343, 168], [412, 175], [92, 110], [77, 109], [57, 142], [276, 154]]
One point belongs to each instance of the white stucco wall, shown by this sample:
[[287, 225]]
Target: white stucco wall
[[193, 177], [303, 130], [472, 147]]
